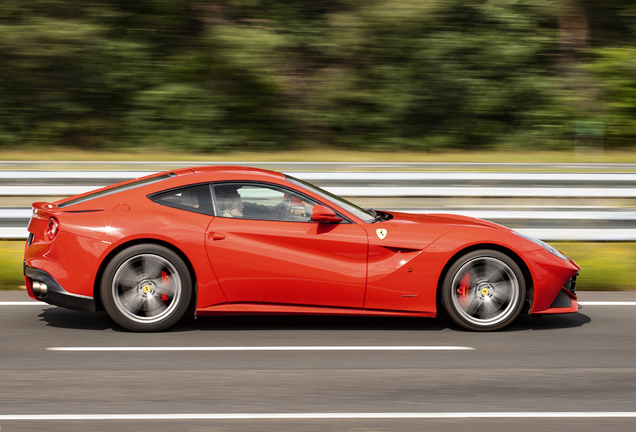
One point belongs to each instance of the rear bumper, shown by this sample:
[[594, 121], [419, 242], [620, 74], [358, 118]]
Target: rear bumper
[[56, 295]]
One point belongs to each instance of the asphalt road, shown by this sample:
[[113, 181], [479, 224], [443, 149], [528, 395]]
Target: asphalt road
[[582, 363]]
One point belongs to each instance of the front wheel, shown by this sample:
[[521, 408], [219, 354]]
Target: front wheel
[[483, 290], [146, 288]]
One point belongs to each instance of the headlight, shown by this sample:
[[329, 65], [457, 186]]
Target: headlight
[[544, 245]]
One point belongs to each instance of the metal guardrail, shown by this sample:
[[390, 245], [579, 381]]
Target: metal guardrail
[[559, 221]]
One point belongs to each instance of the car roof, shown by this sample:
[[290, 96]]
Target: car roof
[[232, 169], [174, 178]]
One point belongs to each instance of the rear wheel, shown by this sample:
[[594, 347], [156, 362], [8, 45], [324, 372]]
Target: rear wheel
[[146, 288], [483, 290]]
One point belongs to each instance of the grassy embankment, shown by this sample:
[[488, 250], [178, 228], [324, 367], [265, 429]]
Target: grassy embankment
[[605, 266], [325, 155]]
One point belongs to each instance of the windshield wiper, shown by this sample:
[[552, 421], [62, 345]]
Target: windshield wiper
[[381, 216]]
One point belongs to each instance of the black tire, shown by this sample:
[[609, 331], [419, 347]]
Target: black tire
[[483, 290], [146, 288]]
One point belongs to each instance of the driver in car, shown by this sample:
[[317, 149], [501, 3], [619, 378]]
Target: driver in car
[[232, 206]]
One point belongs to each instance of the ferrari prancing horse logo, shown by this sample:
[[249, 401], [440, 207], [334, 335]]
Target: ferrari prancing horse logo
[[381, 232]]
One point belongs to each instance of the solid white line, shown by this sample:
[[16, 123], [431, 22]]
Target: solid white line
[[270, 348], [321, 416], [607, 303]]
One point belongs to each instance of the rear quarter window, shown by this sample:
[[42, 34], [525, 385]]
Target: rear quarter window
[[196, 199]]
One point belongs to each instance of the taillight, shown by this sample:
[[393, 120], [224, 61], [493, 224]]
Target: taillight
[[52, 227]]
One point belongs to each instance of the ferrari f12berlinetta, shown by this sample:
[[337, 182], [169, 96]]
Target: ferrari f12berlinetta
[[235, 240]]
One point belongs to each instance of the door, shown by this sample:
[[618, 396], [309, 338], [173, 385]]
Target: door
[[269, 251]]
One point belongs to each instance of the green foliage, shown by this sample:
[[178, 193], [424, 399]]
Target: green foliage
[[219, 75], [11, 255], [616, 69]]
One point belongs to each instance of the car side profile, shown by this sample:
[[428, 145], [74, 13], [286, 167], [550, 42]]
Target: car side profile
[[238, 240]]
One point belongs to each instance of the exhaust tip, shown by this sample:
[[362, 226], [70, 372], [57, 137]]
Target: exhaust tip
[[39, 288]]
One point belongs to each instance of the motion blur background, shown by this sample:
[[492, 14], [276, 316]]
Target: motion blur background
[[200, 80], [211, 75]]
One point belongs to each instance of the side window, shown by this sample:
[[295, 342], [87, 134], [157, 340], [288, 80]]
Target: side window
[[261, 202], [196, 199]]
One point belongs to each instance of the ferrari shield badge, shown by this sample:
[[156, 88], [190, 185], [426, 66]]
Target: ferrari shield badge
[[381, 232]]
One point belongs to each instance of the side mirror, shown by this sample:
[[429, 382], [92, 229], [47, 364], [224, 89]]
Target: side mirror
[[322, 214]]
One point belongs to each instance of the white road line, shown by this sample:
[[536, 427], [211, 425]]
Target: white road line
[[322, 416], [607, 303], [270, 348]]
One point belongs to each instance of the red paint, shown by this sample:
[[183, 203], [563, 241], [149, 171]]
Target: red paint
[[252, 266]]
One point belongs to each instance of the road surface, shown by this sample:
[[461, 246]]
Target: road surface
[[568, 372]]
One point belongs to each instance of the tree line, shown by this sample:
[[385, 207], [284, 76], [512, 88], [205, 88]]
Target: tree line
[[220, 75]]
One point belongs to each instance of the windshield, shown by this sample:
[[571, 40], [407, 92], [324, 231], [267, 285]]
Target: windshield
[[366, 215]]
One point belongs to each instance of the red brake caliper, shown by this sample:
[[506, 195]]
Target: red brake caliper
[[462, 291], [166, 281]]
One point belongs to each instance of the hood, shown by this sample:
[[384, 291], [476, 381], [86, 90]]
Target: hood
[[441, 219]]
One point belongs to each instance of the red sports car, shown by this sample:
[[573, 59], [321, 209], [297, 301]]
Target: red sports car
[[234, 240]]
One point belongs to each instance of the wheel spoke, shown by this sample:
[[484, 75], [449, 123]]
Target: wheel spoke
[[128, 279], [163, 289], [487, 308], [151, 268], [162, 286], [501, 291], [492, 272], [475, 303], [153, 305], [132, 300]]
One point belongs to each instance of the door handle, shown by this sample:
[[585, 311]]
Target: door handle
[[216, 236]]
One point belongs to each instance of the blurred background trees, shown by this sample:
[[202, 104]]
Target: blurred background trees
[[218, 75]]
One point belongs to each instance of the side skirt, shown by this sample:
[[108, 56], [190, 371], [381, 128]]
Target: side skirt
[[285, 309]]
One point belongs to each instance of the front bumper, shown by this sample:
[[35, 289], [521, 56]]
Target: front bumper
[[55, 294]]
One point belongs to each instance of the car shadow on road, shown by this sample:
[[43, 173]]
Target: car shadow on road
[[442, 322], [548, 322], [63, 318], [300, 322]]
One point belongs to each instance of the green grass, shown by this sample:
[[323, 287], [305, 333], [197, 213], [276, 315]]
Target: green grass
[[604, 266], [323, 155], [11, 255]]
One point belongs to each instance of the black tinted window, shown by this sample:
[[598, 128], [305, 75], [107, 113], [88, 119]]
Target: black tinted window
[[192, 198]]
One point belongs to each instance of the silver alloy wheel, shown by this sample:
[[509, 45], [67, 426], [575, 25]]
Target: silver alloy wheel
[[146, 288], [492, 295]]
